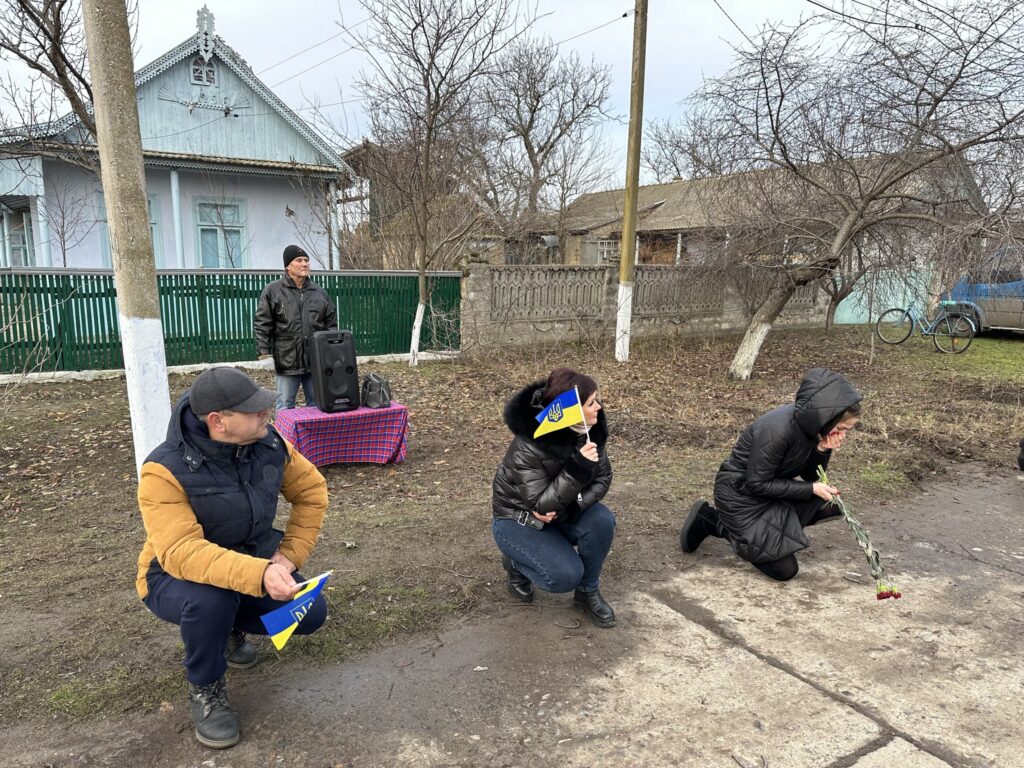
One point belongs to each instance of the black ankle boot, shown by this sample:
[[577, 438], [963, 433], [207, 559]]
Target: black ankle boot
[[240, 653], [216, 723], [519, 585], [697, 526], [595, 606]]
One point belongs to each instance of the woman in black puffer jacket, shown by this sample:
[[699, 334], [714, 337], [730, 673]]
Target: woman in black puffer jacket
[[766, 492], [548, 521]]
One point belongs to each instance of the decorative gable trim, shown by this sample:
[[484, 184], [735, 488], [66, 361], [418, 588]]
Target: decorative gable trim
[[207, 44]]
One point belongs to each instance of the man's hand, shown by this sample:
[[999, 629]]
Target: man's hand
[[825, 491], [280, 559], [278, 582]]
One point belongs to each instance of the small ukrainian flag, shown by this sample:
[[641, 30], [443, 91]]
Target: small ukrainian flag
[[281, 622], [564, 411]]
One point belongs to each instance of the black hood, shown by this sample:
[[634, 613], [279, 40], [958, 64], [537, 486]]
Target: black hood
[[822, 398], [521, 417]]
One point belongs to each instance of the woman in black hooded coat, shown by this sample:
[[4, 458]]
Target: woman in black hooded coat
[[766, 492], [548, 519]]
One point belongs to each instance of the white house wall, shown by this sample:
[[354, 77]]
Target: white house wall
[[264, 199]]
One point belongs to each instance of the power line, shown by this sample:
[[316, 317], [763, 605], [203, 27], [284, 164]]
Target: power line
[[724, 13], [315, 45], [594, 29]]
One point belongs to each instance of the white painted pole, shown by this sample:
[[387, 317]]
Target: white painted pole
[[179, 241]]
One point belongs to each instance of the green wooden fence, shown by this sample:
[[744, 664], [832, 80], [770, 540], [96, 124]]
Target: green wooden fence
[[64, 320]]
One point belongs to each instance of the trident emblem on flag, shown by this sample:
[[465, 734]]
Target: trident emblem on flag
[[556, 412]]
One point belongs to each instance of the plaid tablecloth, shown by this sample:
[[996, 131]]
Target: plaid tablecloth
[[376, 435]]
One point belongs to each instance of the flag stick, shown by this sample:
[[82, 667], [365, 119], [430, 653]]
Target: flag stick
[[582, 414], [315, 578]]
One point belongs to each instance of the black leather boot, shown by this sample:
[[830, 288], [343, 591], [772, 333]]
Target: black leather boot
[[240, 653], [698, 525], [519, 585], [216, 723], [595, 606]]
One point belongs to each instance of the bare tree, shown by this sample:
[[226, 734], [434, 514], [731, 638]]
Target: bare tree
[[541, 117], [46, 40], [835, 131], [428, 61], [71, 213]]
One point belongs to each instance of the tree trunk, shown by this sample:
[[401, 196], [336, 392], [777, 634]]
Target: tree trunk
[[757, 331], [417, 325], [830, 313]]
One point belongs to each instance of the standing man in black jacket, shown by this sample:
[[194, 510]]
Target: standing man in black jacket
[[290, 311]]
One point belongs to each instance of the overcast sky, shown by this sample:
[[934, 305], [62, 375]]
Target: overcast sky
[[686, 41]]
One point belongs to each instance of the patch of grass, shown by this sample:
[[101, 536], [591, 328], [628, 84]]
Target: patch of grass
[[989, 357], [883, 476], [364, 615], [119, 690]]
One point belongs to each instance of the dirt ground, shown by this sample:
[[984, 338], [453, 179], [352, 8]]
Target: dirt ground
[[88, 676]]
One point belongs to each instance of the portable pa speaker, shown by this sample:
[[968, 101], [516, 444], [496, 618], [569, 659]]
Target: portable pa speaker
[[335, 378]]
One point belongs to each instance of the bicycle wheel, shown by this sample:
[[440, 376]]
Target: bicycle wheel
[[894, 326], [953, 334]]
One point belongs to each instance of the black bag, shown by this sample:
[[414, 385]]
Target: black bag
[[376, 391]]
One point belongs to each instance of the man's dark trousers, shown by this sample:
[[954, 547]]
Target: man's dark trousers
[[207, 614]]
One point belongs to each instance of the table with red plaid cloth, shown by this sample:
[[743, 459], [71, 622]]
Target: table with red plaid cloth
[[376, 435]]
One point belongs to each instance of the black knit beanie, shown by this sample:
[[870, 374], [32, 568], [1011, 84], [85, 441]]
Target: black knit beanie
[[291, 253]]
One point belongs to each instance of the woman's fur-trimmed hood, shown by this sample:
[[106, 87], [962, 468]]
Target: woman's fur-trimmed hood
[[521, 417]]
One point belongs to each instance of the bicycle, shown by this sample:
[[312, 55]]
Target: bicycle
[[951, 331]]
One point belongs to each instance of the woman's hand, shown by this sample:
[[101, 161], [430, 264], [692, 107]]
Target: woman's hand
[[545, 518], [589, 451], [831, 441], [825, 491]]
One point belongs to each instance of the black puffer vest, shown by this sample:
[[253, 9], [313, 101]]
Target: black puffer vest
[[233, 489]]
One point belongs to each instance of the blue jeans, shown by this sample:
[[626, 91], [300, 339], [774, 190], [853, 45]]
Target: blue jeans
[[288, 388], [560, 557], [207, 614]]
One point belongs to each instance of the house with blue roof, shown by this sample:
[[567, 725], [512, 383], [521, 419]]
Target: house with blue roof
[[232, 174]]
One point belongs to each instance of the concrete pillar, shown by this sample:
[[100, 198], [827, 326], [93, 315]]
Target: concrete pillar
[[43, 240], [679, 248], [179, 242]]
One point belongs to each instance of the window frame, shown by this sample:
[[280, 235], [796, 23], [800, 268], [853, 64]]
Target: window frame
[[203, 74], [222, 248]]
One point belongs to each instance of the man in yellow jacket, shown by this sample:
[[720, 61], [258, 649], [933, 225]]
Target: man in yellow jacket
[[213, 563]]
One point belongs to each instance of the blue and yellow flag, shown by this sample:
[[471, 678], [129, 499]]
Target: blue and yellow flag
[[564, 411], [281, 622]]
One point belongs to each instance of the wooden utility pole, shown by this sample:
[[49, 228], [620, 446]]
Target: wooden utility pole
[[627, 250], [108, 44]]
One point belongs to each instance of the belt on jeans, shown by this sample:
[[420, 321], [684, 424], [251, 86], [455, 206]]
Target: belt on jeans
[[524, 518]]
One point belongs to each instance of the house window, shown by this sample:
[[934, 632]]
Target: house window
[[203, 72], [220, 234], [607, 250], [19, 240], [154, 232]]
